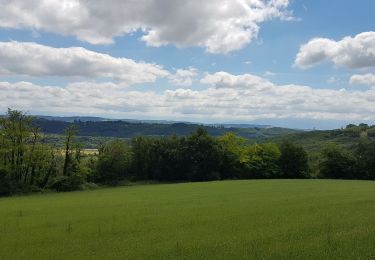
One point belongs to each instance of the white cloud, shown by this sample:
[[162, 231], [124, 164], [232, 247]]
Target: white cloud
[[350, 52], [365, 79], [183, 77], [32, 59], [219, 26], [246, 81], [226, 97]]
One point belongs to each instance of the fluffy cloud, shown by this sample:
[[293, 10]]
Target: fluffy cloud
[[31, 59], [183, 77], [350, 52], [220, 26], [245, 81], [226, 97], [365, 79]]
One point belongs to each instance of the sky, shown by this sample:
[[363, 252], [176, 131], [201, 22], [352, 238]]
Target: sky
[[291, 63]]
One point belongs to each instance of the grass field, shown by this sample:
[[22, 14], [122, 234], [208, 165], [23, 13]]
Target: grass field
[[270, 219]]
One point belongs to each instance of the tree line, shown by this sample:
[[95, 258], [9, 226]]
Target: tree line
[[28, 164]]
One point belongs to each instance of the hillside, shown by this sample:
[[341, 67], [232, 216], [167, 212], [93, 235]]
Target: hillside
[[125, 129], [313, 141], [274, 219]]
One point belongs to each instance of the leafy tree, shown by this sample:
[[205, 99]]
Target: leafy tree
[[143, 160], [202, 156], [293, 161], [16, 131], [25, 162], [169, 159], [234, 155], [262, 161], [113, 163], [366, 160], [337, 163]]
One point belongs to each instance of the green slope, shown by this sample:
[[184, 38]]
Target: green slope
[[278, 219]]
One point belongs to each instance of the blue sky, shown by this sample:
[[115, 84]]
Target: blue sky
[[300, 64]]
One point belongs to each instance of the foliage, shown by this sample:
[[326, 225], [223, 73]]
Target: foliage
[[293, 161], [337, 163], [366, 160], [67, 183], [113, 163], [5, 182], [262, 161], [27, 163]]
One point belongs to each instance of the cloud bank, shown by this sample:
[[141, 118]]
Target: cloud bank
[[231, 97], [32, 59]]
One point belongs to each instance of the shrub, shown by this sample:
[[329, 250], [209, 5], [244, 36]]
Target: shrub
[[67, 183], [5, 183]]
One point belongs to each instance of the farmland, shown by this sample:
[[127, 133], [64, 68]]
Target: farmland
[[254, 219]]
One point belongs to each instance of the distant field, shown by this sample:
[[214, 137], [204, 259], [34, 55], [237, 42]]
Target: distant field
[[278, 219]]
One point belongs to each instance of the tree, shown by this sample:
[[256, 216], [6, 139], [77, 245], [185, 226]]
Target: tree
[[113, 163], [202, 156], [366, 160], [144, 160], [234, 156], [71, 147], [16, 131], [262, 161], [24, 160], [293, 161], [169, 160], [337, 163]]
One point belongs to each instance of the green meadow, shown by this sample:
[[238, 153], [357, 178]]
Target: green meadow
[[256, 219]]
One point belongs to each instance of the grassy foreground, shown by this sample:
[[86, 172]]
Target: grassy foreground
[[277, 219]]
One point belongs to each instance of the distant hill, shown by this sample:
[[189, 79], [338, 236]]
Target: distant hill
[[72, 119], [226, 125], [125, 129]]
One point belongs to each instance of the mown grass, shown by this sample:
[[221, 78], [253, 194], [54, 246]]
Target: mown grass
[[270, 219]]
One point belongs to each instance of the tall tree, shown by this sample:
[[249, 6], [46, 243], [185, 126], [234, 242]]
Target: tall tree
[[16, 130], [70, 145], [293, 161]]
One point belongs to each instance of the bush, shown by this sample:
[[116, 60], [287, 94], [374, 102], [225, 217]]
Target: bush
[[5, 183], [67, 183]]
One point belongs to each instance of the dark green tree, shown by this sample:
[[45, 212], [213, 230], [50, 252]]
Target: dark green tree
[[293, 161], [366, 160], [113, 163], [337, 163], [202, 156]]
